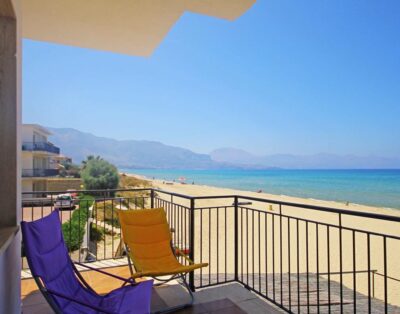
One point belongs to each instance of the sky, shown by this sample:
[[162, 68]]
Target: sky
[[286, 77]]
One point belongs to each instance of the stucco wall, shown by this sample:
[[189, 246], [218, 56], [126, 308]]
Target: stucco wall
[[63, 184], [27, 160], [27, 185], [27, 132], [10, 162]]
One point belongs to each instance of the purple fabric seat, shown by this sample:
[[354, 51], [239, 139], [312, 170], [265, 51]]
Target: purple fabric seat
[[62, 284]]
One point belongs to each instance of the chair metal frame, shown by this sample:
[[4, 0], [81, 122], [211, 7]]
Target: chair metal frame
[[48, 293], [182, 276]]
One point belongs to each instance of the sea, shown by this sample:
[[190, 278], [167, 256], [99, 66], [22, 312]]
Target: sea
[[379, 188]]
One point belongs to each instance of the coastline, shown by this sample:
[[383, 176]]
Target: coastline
[[202, 189], [307, 233]]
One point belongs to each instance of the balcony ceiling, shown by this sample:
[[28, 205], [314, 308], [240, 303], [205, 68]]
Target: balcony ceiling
[[134, 27]]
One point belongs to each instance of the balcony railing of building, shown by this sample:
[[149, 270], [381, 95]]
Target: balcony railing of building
[[300, 257], [40, 146], [28, 173]]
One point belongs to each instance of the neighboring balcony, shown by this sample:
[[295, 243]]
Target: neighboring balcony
[[40, 146], [27, 173]]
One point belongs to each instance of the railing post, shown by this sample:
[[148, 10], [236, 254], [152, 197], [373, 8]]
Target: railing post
[[236, 230], [373, 283], [341, 262], [151, 198], [191, 243]]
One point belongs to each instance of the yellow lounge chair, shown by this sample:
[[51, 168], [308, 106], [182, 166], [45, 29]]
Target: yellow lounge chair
[[148, 242]]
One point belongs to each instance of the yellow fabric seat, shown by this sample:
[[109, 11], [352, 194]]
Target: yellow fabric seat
[[148, 238], [169, 271]]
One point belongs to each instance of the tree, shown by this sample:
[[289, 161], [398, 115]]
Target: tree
[[68, 169], [99, 174], [89, 158]]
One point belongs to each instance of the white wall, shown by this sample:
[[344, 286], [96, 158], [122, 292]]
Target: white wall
[[27, 160], [38, 137], [27, 133]]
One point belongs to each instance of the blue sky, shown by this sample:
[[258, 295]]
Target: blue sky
[[287, 77]]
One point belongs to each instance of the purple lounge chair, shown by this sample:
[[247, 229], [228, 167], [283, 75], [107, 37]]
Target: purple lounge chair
[[61, 283]]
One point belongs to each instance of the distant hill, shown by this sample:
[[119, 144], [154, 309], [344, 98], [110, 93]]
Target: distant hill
[[316, 161], [130, 153], [149, 154]]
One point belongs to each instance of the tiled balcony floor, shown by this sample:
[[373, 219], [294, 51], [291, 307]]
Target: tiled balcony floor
[[229, 298]]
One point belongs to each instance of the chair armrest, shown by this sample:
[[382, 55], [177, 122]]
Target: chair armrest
[[129, 280], [61, 295]]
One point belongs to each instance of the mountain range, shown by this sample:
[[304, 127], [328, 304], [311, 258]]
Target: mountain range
[[315, 161], [151, 154], [127, 153]]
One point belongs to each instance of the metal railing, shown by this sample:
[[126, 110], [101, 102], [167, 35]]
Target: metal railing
[[26, 173], [303, 258], [40, 146]]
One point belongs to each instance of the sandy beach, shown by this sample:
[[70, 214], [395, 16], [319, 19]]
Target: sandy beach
[[263, 231]]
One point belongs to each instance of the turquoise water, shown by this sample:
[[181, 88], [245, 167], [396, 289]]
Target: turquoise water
[[370, 187]]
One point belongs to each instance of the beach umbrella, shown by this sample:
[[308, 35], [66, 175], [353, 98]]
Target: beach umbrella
[[182, 179]]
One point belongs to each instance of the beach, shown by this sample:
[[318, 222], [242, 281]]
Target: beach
[[372, 187], [201, 190], [268, 242]]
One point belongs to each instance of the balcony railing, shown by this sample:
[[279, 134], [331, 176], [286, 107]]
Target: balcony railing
[[27, 173], [40, 146], [302, 258]]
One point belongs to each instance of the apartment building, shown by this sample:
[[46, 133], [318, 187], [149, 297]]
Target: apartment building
[[40, 158]]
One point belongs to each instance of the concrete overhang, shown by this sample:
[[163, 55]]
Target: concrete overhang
[[133, 27], [38, 128]]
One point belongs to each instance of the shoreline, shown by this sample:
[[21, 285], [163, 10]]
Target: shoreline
[[311, 226], [203, 189]]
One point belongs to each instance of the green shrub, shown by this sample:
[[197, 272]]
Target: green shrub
[[74, 229], [69, 170], [96, 233], [99, 174]]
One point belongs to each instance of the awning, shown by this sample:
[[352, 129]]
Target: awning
[[134, 27]]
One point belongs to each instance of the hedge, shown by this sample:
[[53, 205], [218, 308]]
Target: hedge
[[74, 229]]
